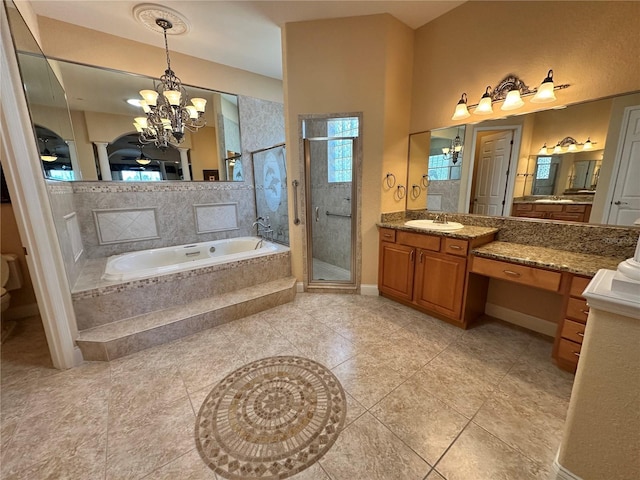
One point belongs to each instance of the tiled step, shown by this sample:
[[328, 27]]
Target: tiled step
[[124, 337]]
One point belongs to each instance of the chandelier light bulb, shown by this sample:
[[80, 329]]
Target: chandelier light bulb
[[150, 96], [173, 97], [199, 104], [193, 113], [145, 106], [446, 150], [142, 121]]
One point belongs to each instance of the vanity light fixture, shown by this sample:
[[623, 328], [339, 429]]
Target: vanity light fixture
[[166, 109], [511, 91], [567, 145], [461, 109]]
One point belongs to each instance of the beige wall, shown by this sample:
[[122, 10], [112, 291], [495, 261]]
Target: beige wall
[[204, 152], [357, 64], [11, 243], [78, 44], [591, 45]]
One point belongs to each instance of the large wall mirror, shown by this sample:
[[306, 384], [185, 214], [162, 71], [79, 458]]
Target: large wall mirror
[[84, 128], [556, 164]]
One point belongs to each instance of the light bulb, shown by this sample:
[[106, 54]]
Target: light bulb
[[485, 106], [173, 97], [543, 150], [557, 148], [512, 101], [142, 121], [199, 103], [193, 113], [461, 109], [587, 145], [150, 96], [545, 92]]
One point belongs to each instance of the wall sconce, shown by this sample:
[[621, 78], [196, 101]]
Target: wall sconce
[[567, 145], [510, 90]]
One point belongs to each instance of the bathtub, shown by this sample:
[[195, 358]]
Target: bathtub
[[166, 260]]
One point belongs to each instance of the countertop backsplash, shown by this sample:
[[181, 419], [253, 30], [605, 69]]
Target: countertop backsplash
[[591, 239]]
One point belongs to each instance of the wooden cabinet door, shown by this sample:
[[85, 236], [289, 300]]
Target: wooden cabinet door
[[396, 270], [440, 282]]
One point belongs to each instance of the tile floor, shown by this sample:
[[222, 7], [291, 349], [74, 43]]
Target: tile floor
[[425, 400]]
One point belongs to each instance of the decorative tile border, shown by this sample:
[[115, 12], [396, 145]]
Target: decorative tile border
[[61, 188], [216, 217], [120, 225], [166, 186]]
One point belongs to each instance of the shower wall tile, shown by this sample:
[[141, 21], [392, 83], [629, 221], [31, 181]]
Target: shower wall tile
[[216, 217], [125, 225]]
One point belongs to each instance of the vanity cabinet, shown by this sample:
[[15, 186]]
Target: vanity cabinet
[[553, 211], [429, 273], [575, 311]]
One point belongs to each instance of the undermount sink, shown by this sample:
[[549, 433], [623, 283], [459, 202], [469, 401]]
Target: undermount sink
[[551, 200], [429, 225]]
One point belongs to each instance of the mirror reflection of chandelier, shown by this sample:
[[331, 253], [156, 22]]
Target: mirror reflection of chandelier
[[167, 112], [453, 151]]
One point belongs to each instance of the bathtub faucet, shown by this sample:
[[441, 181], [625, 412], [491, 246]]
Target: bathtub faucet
[[263, 230]]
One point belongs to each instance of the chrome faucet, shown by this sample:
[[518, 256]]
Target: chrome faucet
[[267, 231], [440, 218]]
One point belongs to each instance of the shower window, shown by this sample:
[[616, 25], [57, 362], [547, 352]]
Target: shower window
[[339, 152]]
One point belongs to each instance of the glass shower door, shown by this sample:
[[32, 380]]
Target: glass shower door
[[329, 163]]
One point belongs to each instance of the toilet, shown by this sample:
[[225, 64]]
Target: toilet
[[11, 277]]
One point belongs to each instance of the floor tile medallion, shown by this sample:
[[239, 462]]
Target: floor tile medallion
[[270, 419]]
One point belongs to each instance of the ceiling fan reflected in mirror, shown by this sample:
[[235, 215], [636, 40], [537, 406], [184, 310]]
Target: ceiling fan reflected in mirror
[[141, 159]]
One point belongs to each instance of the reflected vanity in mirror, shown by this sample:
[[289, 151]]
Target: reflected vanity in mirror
[[85, 130], [564, 164]]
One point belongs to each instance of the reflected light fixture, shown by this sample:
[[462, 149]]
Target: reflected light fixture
[[453, 151], [166, 109], [46, 155], [485, 106], [143, 159], [544, 150], [588, 145], [557, 148], [461, 109], [545, 93]]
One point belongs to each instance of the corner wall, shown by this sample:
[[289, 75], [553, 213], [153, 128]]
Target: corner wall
[[356, 64]]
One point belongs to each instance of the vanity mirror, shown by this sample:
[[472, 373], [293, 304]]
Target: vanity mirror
[[91, 128], [576, 172]]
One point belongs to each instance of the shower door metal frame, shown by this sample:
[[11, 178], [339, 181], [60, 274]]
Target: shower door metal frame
[[352, 284]]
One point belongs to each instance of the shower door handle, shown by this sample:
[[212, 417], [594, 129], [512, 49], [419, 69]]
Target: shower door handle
[[317, 214]]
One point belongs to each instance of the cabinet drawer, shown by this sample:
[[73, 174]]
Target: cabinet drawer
[[387, 235], [578, 284], [577, 309], [524, 207], [523, 274], [569, 351], [455, 246], [575, 208], [426, 242], [571, 217], [573, 331], [548, 208]]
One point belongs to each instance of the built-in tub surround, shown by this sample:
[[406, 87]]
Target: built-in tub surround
[[98, 302]]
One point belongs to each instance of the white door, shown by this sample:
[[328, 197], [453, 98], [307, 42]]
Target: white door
[[491, 183], [625, 206]]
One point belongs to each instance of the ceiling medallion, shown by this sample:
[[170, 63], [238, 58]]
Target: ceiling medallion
[[148, 13]]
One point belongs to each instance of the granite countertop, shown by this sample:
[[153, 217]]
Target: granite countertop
[[466, 233], [578, 263]]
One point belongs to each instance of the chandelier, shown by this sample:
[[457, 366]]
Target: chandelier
[[453, 151], [166, 109]]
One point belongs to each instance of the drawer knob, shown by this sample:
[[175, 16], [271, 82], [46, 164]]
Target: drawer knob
[[576, 354], [388, 235], [512, 273], [455, 247], [580, 334], [586, 312]]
